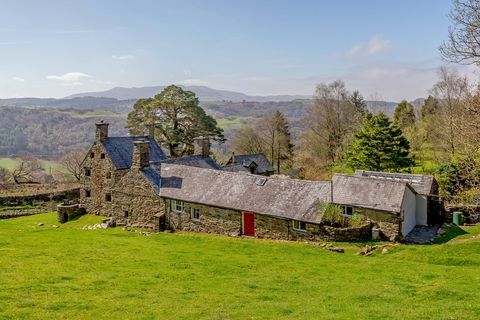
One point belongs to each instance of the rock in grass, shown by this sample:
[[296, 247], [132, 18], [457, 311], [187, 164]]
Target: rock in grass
[[40, 224], [384, 251], [336, 249]]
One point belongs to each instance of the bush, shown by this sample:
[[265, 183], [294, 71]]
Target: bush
[[332, 214], [356, 220]]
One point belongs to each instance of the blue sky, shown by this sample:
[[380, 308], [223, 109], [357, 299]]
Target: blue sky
[[385, 49]]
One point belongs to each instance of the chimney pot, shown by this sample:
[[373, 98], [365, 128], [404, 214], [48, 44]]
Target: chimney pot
[[101, 132], [150, 131], [201, 147]]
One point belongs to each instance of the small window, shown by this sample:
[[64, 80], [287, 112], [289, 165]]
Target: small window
[[347, 211], [87, 172], [102, 156], [195, 214], [87, 194], [92, 155], [125, 214], [299, 225], [109, 175], [178, 206], [108, 197]]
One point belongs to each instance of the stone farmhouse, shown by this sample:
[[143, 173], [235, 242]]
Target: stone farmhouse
[[252, 163], [132, 180]]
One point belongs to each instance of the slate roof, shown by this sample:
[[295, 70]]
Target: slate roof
[[243, 162], [278, 197], [422, 184], [366, 192], [152, 174], [120, 150], [194, 161]]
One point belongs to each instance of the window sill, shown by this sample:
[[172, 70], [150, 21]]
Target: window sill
[[299, 230], [195, 220]]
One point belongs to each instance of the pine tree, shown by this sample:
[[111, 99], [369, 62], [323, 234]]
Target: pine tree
[[380, 146], [178, 118]]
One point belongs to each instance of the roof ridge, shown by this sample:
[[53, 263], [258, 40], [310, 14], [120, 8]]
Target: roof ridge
[[369, 178]]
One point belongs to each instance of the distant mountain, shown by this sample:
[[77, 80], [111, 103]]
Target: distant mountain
[[84, 103], [205, 94]]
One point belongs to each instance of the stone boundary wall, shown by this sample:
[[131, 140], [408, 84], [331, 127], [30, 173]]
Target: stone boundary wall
[[52, 196], [349, 234]]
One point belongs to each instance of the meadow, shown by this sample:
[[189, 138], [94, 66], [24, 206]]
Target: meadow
[[65, 272]]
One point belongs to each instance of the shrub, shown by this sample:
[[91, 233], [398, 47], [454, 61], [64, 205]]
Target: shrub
[[332, 214], [356, 220]]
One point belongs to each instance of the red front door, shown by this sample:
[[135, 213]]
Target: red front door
[[248, 224]]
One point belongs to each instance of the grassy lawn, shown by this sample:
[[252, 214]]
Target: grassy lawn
[[233, 122], [11, 163], [69, 273]]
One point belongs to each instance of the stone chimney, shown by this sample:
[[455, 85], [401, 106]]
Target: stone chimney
[[201, 147], [140, 156], [101, 133], [150, 131]]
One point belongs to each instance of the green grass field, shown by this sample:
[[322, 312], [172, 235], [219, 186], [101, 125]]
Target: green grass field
[[69, 273], [11, 163]]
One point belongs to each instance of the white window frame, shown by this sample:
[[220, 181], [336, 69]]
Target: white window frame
[[297, 225], [193, 213], [345, 208], [178, 204]]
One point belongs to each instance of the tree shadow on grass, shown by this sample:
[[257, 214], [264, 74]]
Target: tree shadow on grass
[[450, 233]]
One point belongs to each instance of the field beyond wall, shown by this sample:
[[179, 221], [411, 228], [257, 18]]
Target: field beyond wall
[[70, 273]]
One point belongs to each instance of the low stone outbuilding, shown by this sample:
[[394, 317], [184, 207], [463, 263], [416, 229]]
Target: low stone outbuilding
[[390, 204], [429, 207]]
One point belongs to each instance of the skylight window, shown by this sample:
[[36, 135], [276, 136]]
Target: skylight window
[[261, 182]]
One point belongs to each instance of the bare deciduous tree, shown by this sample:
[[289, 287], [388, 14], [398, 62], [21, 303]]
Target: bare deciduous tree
[[4, 175], [26, 168], [247, 141], [463, 44], [329, 128], [72, 162], [452, 93]]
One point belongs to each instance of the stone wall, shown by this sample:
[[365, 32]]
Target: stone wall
[[135, 202], [103, 177], [349, 234], [387, 222], [212, 219], [67, 212], [227, 221]]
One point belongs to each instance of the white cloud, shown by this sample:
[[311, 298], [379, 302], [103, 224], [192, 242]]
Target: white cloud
[[70, 78], [123, 57], [375, 45], [193, 82], [18, 79]]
